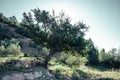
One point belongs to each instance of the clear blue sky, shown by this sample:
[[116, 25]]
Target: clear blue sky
[[103, 16]]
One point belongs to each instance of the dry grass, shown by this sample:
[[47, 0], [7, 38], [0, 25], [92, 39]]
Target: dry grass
[[93, 73]]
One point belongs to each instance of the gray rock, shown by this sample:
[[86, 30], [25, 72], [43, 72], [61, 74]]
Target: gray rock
[[6, 78], [18, 76], [29, 74], [37, 74]]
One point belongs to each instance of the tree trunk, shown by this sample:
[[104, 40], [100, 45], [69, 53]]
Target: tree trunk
[[47, 59]]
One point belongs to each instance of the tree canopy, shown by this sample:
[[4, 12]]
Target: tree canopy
[[59, 33]]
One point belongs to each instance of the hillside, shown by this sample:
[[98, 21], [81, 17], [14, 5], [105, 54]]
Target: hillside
[[49, 43], [27, 45]]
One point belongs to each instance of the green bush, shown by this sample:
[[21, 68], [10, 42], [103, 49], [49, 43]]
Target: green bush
[[13, 50], [72, 59], [3, 32], [23, 31], [109, 60], [10, 48], [9, 65], [2, 51]]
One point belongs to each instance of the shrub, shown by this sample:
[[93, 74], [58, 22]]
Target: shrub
[[23, 31], [13, 50], [109, 60], [10, 48], [3, 32], [72, 59], [2, 51], [9, 65], [92, 53]]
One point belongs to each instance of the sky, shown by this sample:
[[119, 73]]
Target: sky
[[103, 16]]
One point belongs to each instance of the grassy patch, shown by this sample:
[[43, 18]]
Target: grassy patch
[[84, 72], [4, 59]]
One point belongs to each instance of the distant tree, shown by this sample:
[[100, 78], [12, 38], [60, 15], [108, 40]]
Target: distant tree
[[92, 53], [103, 55], [3, 18], [27, 19], [62, 34], [113, 51], [110, 59], [13, 19]]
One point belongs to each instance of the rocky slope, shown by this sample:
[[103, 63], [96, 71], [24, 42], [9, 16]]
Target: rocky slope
[[28, 74], [27, 45]]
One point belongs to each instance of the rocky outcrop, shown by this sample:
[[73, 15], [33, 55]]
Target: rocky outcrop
[[29, 74]]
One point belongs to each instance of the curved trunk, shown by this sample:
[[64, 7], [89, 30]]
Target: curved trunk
[[47, 59]]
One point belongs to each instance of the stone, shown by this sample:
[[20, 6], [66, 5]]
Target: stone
[[37, 74], [7, 78], [29, 76], [48, 74], [18, 76]]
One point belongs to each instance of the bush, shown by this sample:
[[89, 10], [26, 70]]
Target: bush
[[93, 56], [2, 51], [13, 50], [23, 31], [9, 65], [3, 32], [10, 48], [92, 53], [110, 60], [72, 59]]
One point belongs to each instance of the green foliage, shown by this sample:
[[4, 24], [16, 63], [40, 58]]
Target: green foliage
[[92, 53], [110, 59], [10, 65], [10, 48], [27, 19], [72, 59], [2, 17], [55, 31], [3, 32], [12, 21], [103, 55], [23, 31], [2, 51]]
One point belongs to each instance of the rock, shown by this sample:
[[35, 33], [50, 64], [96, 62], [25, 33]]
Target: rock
[[37, 74], [18, 77], [29, 74], [7, 78]]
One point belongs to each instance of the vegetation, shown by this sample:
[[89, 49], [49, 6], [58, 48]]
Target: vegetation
[[3, 32], [10, 48], [110, 59], [63, 72], [12, 21], [92, 53], [66, 52], [56, 31]]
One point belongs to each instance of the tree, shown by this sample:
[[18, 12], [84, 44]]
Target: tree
[[92, 53], [62, 34], [103, 55], [13, 19], [3, 32]]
